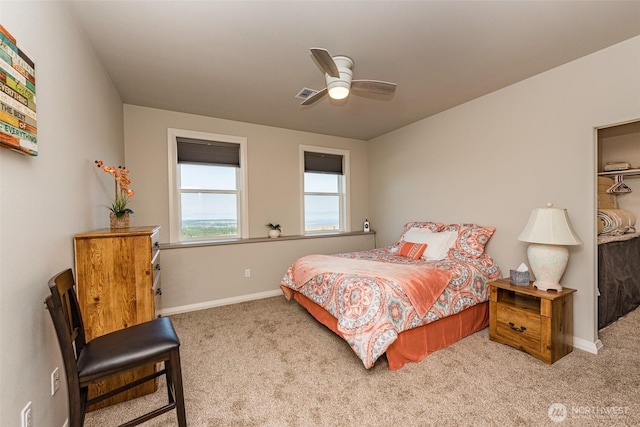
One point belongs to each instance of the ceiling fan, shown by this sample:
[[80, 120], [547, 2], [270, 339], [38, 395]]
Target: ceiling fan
[[338, 73]]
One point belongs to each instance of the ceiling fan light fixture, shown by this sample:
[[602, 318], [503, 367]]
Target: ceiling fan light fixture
[[340, 86], [338, 74], [339, 91]]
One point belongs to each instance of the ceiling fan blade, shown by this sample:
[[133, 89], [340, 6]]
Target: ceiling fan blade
[[373, 86], [325, 61], [313, 98]]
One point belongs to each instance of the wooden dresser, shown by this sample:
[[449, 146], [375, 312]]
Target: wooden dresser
[[118, 285], [538, 322]]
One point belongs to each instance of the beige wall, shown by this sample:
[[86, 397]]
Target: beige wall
[[203, 277], [273, 168], [45, 200], [492, 160], [208, 275]]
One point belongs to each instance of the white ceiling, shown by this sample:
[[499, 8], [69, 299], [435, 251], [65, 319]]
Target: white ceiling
[[246, 60]]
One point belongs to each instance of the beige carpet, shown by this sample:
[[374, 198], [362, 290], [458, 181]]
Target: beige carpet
[[269, 363]]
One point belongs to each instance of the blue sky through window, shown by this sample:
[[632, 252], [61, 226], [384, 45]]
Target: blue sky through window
[[213, 206], [321, 211]]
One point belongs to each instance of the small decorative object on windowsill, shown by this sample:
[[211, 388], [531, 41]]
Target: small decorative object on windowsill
[[274, 230], [120, 213]]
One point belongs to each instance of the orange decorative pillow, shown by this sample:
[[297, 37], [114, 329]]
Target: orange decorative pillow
[[412, 250]]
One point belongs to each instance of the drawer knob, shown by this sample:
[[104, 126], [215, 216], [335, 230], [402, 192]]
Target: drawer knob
[[520, 329]]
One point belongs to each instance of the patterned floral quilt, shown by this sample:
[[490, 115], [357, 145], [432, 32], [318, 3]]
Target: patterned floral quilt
[[373, 309]]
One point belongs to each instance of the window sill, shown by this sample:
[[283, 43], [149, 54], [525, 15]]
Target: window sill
[[199, 243]]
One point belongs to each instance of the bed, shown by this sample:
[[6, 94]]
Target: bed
[[405, 301]]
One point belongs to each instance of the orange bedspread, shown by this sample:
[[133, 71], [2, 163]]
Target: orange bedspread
[[423, 284], [377, 295]]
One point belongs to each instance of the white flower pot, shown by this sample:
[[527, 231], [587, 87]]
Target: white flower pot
[[274, 233]]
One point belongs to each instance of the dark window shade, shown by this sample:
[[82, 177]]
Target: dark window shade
[[323, 163], [201, 151]]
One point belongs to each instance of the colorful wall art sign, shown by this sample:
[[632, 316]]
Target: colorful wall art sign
[[17, 97]]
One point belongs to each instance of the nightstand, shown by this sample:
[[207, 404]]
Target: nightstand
[[537, 322]]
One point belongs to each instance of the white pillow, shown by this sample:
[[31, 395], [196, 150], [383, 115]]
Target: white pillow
[[438, 244]]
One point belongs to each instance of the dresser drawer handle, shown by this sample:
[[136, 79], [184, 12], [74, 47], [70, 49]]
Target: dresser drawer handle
[[520, 329]]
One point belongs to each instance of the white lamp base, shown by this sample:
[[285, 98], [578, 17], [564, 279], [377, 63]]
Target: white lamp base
[[548, 263], [547, 286]]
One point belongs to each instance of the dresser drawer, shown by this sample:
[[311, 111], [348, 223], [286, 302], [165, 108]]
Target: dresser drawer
[[155, 244], [157, 291], [518, 328], [156, 288]]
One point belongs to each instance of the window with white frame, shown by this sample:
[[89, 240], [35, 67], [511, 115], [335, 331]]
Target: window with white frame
[[207, 181], [325, 189]]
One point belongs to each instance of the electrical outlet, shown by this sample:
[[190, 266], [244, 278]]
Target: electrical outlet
[[27, 420], [247, 272], [55, 381]]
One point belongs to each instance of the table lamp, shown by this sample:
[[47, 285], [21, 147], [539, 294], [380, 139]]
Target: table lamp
[[548, 231]]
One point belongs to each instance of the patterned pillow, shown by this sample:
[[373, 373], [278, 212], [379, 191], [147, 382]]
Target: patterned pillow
[[412, 250], [434, 227], [472, 238]]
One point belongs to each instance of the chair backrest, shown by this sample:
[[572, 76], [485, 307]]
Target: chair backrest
[[67, 320]]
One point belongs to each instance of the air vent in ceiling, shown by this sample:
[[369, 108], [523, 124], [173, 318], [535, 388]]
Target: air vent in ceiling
[[305, 93]]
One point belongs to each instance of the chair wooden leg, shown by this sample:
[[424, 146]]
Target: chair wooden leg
[[168, 378], [76, 417], [176, 379], [77, 407]]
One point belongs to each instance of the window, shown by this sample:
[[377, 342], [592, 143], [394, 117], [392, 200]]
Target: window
[[207, 175], [325, 179]]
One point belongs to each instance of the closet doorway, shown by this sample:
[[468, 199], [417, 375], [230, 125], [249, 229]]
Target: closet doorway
[[618, 219]]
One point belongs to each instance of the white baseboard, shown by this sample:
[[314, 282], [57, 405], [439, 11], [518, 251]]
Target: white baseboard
[[220, 302], [589, 346]]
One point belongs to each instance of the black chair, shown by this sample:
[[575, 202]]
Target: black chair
[[111, 354]]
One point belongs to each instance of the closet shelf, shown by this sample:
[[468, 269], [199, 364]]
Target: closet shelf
[[626, 172]]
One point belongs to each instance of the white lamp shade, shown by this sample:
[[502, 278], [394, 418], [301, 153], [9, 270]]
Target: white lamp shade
[[549, 226]]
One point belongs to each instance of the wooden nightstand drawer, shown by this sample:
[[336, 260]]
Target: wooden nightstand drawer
[[538, 322], [519, 329]]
